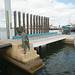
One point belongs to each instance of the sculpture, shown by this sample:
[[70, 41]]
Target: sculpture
[[25, 40]]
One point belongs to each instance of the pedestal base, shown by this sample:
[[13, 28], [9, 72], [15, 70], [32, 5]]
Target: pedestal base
[[30, 61]]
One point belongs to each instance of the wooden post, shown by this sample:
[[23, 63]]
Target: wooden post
[[24, 22], [39, 24], [44, 24], [31, 24], [36, 24], [19, 19], [27, 23], [48, 24], [15, 23]]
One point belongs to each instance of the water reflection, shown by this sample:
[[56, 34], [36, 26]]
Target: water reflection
[[59, 60], [74, 42]]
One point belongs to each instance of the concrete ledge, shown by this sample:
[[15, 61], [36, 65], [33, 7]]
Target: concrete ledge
[[23, 65], [30, 61], [68, 41], [3, 45], [31, 35]]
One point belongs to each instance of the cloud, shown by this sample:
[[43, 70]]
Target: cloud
[[58, 12], [1, 4], [43, 7]]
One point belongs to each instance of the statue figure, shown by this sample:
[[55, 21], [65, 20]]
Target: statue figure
[[25, 40]]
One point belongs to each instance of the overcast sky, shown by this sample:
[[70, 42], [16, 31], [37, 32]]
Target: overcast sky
[[59, 11]]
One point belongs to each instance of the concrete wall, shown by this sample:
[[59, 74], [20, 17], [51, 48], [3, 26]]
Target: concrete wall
[[69, 39]]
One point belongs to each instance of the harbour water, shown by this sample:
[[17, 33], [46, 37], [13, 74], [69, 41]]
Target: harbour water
[[59, 59]]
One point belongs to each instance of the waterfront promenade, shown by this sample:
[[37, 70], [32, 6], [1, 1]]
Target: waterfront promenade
[[39, 40], [46, 39]]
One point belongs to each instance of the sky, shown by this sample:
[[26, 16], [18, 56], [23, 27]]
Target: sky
[[60, 12], [67, 1]]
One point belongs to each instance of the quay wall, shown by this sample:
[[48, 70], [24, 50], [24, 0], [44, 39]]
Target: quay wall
[[30, 61], [69, 39]]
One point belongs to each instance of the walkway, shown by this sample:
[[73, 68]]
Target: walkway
[[45, 39], [3, 45], [36, 40]]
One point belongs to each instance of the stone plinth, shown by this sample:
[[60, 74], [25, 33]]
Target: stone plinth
[[31, 60]]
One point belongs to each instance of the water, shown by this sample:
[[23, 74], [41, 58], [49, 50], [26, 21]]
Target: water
[[59, 59]]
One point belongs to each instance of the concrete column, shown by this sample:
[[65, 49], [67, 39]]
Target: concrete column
[[8, 8]]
